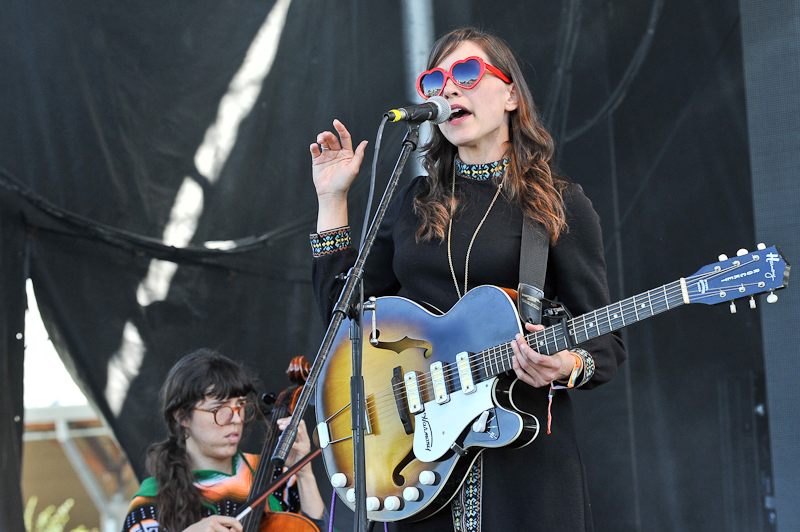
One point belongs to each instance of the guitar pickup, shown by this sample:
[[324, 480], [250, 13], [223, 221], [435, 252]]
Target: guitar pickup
[[465, 372], [439, 385], [400, 400], [412, 393]]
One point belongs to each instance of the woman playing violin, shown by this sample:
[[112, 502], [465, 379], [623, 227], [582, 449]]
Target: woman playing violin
[[200, 478]]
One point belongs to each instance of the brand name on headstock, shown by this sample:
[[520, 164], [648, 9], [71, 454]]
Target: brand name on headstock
[[772, 258], [740, 275]]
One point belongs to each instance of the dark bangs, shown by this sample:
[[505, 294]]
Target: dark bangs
[[225, 380], [203, 373]]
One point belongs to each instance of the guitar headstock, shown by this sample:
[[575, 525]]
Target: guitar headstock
[[747, 274]]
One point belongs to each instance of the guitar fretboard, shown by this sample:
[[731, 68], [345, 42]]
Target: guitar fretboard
[[602, 321]]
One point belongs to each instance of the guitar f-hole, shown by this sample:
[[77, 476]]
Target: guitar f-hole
[[397, 478]]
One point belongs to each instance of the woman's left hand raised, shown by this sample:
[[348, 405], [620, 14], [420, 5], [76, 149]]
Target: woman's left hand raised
[[536, 369]]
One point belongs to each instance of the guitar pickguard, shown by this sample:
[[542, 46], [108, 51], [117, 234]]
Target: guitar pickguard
[[439, 426]]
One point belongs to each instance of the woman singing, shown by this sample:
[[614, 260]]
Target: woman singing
[[200, 478], [489, 168]]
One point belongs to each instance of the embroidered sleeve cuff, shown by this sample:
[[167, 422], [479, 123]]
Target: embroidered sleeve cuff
[[330, 241]]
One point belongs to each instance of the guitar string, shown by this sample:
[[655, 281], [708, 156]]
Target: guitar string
[[596, 316], [587, 321], [670, 291], [506, 353], [377, 402]]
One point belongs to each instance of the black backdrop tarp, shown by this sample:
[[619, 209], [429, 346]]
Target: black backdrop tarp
[[105, 107]]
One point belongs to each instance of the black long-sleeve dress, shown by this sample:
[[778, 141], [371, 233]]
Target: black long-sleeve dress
[[541, 486]]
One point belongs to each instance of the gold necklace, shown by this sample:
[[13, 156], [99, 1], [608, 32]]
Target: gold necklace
[[469, 249]]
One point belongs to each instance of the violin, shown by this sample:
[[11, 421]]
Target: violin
[[258, 520]]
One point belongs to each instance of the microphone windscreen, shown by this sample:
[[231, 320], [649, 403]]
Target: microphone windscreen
[[443, 107]]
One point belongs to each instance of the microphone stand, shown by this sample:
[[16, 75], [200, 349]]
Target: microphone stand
[[347, 307]]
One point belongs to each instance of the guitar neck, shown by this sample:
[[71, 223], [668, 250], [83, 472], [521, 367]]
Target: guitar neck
[[602, 321]]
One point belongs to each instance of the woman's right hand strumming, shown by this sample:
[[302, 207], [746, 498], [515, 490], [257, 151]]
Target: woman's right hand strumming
[[334, 165]]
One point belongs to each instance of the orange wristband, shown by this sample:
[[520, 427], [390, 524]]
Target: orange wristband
[[575, 370]]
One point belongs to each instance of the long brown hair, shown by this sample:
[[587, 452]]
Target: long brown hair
[[530, 179], [203, 373]]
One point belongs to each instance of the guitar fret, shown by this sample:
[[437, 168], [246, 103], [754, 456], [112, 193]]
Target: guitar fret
[[538, 342], [598, 323], [666, 299], [585, 331], [633, 317], [555, 343], [501, 364], [558, 337]]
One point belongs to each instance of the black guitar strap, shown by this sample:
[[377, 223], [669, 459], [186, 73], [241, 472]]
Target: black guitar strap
[[532, 269]]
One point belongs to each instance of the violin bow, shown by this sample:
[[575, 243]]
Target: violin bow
[[278, 483]]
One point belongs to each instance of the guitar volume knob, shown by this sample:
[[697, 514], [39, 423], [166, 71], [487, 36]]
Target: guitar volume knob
[[427, 478], [392, 503], [373, 504], [351, 495], [339, 480], [411, 494]]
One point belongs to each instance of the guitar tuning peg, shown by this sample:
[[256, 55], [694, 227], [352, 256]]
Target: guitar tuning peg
[[772, 298], [761, 246], [752, 302], [733, 307], [723, 257], [742, 252]]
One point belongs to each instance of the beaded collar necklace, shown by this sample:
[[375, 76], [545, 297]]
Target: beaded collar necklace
[[481, 171]]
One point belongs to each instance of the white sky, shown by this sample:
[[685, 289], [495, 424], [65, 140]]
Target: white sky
[[47, 382]]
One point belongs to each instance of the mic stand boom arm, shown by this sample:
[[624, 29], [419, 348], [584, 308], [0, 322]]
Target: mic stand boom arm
[[345, 307]]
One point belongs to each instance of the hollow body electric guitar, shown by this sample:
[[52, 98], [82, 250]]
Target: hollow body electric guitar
[[438, 388]]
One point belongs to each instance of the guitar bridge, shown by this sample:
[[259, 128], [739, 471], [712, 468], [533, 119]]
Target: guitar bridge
[[400, 400]]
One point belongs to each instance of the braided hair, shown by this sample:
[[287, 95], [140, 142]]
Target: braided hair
[[203, 373]]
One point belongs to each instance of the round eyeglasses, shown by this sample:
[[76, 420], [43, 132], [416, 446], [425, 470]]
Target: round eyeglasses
[[223, 415]]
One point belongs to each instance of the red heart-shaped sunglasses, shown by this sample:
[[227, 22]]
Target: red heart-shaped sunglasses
[[465, 73]]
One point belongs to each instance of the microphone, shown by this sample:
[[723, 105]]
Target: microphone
[[436, 109]]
